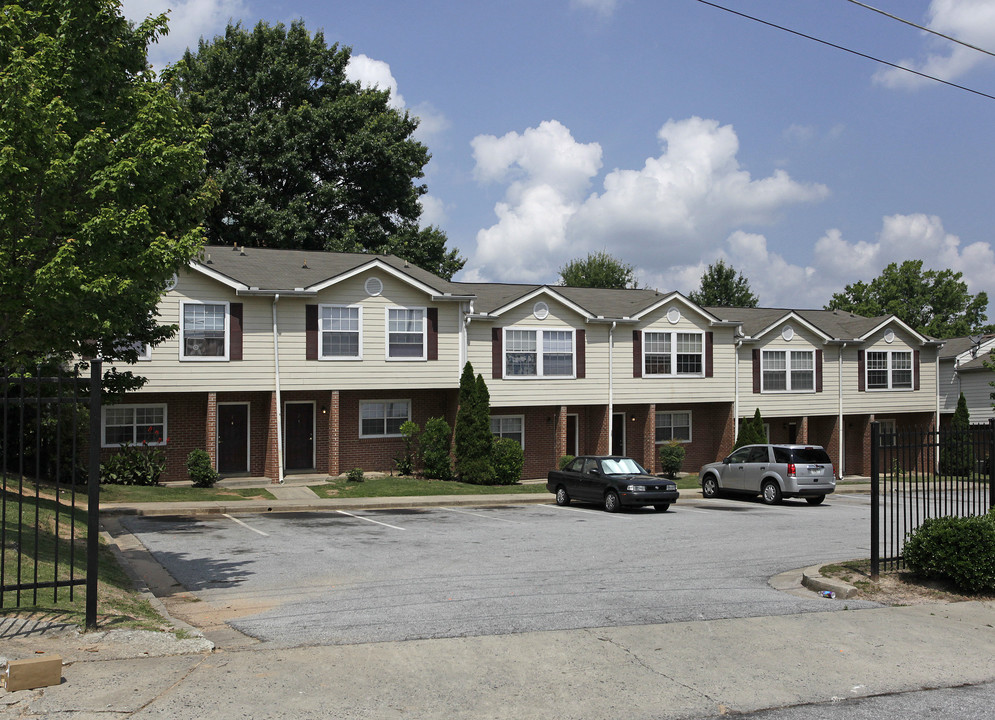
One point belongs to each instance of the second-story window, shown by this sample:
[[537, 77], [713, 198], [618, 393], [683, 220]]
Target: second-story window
[[673, 353], [539, 353], [203, 331], [340, 329], [406, 333], [788, 371], [889, 370]]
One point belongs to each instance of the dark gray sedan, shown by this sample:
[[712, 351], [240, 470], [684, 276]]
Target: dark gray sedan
[[611, 481]]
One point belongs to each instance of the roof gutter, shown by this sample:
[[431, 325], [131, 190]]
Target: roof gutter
[[276, 382]]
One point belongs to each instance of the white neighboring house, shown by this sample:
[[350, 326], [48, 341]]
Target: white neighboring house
[[963, 370]]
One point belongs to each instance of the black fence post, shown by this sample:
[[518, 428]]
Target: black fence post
[[991, 464], [93, 496], [875, 500]]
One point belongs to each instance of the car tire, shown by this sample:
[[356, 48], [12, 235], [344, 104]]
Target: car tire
[[662, 507], [815, 499], [770, 491], [612, 502], [562, 498], [710, 487]]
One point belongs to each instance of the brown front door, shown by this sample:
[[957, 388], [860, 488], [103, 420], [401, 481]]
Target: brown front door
[[298, 436], [233, 439]]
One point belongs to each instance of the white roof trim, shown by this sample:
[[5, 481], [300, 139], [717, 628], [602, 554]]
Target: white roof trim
[[712, 319], [542, 290], [202, 268], [892, 319], [375, 263], [794, 317]]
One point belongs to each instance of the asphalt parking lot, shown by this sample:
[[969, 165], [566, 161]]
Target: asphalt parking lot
[[370, 576]]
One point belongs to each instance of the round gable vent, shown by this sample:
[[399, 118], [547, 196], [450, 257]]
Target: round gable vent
[[540, 310], [787, 332], [374, 286], [889, 336], [673, 316]]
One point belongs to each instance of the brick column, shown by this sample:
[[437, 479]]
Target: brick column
[[271, 467], [211, 428], [603, 443], [650, 459], [803, 429], [333, 434]]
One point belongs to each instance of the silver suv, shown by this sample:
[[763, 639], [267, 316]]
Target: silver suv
[[773, 472]]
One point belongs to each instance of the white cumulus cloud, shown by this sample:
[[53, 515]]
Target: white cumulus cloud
[[189, 20], [372, 73], [677, 206], [971, 21]]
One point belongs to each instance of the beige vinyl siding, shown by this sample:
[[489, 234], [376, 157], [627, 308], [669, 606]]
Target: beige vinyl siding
[[166, 372], [521, 392], [795, 402], [885, 402], [677, 389]]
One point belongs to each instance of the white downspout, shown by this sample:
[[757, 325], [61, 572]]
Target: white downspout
[[279, 402], [735, 399], [839, 370], [611, 383]]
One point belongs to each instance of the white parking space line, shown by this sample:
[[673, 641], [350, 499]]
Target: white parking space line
[[488, 517], [248, 527], [377, 522], [600, 513]]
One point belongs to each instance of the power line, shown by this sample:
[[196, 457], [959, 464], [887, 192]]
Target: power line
[[920, 27], [846, 49]]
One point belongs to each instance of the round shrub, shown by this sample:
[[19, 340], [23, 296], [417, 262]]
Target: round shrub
[[960, 550], [201, 469], [436, 461], [671, 458], [355, 475], [508, 459], [564, 461]]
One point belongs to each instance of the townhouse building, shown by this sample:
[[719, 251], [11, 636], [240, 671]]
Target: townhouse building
[[289, 361], [964, 369]]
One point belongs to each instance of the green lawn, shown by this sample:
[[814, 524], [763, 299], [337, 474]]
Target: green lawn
[[412, 486], [118, 605], [157, 493]]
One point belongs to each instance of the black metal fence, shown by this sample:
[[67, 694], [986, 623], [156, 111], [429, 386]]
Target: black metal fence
[[49, 459], [917, 475]]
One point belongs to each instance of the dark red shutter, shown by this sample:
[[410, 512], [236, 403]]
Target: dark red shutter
[[860, 371], [432, 315], [818, 370], [581, 354], [497, 354], [637, 353], [709, 342], [915, 368], [311, 331], [756, 371], [235, 327]]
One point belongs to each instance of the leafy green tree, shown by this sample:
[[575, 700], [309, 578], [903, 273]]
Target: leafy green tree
[[598, 270], [102, 182], [434, 448], [934, 302], [305, 158], [722, 287], [472, 442], [957, 454], [751, 431]]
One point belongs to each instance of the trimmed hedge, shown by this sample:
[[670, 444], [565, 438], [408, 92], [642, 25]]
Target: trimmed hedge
[[960, 550]]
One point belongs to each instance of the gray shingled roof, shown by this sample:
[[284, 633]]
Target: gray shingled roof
[[272, 269], [596, 301], [953, 347], [834, 323]]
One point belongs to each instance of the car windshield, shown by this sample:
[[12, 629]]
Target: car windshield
[[622, 466]]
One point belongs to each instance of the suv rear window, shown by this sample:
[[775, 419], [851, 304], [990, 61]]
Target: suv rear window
[[809, 455]]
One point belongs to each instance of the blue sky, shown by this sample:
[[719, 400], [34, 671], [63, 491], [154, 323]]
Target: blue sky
[[672, 134]]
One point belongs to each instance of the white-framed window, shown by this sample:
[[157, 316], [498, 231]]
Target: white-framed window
[[538, 353], [509, 426], [134, 424], [673, 354], [406, 335], [383, 418], [889, 370], [340, 330], [886, 432], [674, 425], [787, 370], [203, 331]]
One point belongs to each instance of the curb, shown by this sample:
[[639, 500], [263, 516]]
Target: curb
[[813, 579]]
